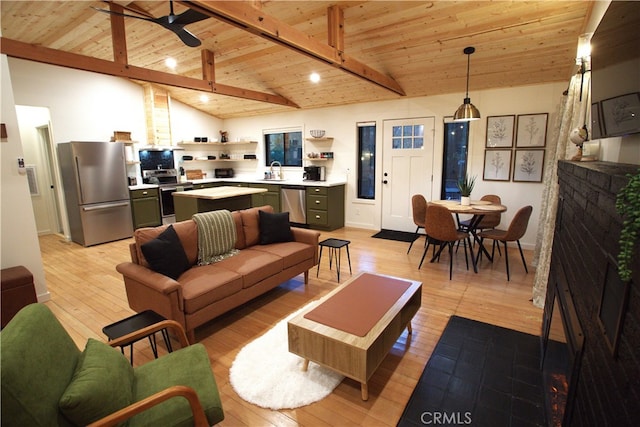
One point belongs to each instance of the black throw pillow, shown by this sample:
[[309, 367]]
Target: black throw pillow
[[274, 228], [166, 255]]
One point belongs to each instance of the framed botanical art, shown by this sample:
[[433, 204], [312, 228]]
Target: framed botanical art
[[528, 165], [497, 165], [532, 130], [596, 128], [500, 131], [621, 115]]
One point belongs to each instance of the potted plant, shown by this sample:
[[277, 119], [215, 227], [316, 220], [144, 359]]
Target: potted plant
[[465, 185], [628, 206]]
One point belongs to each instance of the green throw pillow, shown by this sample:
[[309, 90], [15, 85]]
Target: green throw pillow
[[102, 384]]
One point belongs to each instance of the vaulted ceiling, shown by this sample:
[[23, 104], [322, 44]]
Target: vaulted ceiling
[[256, 56]]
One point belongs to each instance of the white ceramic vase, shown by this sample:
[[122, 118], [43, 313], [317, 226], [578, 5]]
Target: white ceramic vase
[[465, 200]]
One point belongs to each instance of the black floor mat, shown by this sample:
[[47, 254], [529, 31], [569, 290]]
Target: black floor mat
[[479, 375], [400, 236]]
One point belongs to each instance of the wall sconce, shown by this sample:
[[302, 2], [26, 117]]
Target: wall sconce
[[583, 57], [467, 111]]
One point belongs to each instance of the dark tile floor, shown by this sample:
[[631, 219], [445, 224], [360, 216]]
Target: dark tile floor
[[479, 375]]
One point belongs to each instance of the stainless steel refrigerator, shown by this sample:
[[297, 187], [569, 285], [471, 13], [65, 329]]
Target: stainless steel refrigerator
[[96, 194]]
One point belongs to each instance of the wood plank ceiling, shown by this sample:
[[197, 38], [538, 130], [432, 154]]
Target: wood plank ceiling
[[414, 44]]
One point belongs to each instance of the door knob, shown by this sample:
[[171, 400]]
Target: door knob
[[385, 182]]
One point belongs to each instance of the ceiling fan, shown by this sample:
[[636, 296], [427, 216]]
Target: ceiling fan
[[171, 22]]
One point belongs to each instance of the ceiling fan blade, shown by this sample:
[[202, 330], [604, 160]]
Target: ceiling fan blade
[[174, 24], [122, 14], [189, 16], [186, 37]]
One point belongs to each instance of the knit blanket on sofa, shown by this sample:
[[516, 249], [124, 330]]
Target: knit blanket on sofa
[[216, 236]]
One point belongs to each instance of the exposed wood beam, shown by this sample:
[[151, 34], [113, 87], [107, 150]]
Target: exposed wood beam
[[208, 66], [335, 23], [118, 37], [249, 18], [46, 55]]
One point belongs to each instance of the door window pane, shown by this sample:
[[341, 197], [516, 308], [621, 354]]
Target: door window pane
[[407, 137]]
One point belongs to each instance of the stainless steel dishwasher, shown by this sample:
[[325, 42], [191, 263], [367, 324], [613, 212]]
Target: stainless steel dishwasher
[[293, 200]]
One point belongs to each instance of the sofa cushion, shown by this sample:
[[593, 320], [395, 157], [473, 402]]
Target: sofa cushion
[[274, 227], [187, 231], [165, 254], [102, 384], [253, 265], [204, 285], [241, 242], [251, 224], [292, 253]]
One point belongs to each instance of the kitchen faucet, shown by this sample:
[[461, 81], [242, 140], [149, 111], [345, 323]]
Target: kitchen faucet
[[279, 175]]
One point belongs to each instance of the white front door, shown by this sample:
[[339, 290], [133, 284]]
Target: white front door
[[407, 169]]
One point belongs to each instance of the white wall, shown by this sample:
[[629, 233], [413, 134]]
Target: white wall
[[84, 106], [340, 123], [18, 235], [29, 119]]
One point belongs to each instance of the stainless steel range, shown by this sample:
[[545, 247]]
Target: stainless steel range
[[167, 182]]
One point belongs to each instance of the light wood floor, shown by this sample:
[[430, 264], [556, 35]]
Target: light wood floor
[[87, 293]]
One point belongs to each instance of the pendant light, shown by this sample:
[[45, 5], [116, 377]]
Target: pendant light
[[467, 111]]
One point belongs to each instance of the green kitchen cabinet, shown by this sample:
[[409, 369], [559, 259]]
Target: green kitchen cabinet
[[145, 208], [325, 207], [271, 197], [202, 185]]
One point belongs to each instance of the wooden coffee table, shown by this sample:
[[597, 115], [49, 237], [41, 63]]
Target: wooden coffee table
[[354, 356]]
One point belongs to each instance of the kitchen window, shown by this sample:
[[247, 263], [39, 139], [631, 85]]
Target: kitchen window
[[284, 146]]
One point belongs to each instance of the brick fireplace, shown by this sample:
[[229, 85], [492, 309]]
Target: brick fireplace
[[604, 380]]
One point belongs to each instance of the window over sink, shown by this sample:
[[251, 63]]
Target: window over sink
[[284, 146]]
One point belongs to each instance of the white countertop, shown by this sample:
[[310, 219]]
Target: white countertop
[[249, 180]]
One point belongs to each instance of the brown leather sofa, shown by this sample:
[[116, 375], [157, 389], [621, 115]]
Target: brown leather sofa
[[204, 292]]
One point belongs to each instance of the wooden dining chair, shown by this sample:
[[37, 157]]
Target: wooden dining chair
[[514, 233], [439, 225], [419, 209]]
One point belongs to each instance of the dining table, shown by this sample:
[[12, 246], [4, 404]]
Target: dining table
[[477, 208]]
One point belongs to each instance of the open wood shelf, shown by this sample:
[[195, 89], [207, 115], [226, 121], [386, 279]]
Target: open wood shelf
[[217, 144], [323, 139]]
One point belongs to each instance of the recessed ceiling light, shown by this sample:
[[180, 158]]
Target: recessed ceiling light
[[314, 77], [171, 63], [204, 98]]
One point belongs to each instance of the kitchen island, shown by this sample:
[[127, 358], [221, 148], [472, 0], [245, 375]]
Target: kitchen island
[[188, 203]]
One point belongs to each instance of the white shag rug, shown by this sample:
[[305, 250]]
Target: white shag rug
[[266, 374]]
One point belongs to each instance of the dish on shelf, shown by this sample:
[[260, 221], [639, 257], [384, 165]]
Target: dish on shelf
[[317, 133]]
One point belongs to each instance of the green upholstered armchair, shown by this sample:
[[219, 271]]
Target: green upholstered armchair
[[47, 381]]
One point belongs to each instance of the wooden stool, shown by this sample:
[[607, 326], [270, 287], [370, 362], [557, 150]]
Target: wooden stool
[[17, 291]]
